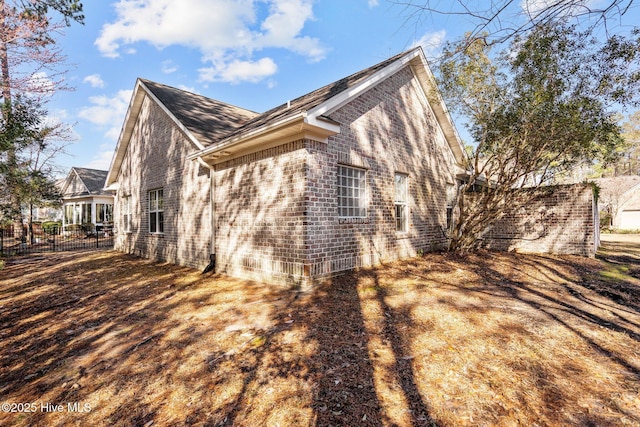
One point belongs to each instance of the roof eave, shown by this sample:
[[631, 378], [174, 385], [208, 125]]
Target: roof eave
[[139, 93], [297, 126], [135, 104], [421, 70]]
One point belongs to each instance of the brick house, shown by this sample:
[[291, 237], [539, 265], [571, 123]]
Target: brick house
[[84, 199], [620, 201], [348, 175]]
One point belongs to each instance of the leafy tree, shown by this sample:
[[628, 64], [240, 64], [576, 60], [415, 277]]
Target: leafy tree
[[28, 173], [629, 158], [29, 66], [28, 47], [536, 111]]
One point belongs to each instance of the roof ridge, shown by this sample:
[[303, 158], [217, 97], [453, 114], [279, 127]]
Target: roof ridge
[[153, 82], [316, 96]]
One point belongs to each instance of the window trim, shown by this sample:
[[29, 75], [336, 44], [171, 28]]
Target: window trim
[[126, 214], [345, 192], [157, 212], [401, 203]]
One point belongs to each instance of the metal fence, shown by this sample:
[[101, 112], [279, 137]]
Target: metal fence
[[14, 241]]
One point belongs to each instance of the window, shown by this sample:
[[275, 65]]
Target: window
[[401, 202], [104, 212], [451, 200], [351, 192], [86, 213], [156, 211], [68, 214], [126, 213]]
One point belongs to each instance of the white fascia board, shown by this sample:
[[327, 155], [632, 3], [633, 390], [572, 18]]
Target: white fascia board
[[297, 124], [344, 97], [225, 144], [140, 91], [125, 134]]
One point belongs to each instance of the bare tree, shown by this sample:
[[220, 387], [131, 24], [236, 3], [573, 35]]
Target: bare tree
[[500, 20]]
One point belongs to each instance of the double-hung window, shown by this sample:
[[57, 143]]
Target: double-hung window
[[351, 192], [126, 214], [156, 211], [401, 202]]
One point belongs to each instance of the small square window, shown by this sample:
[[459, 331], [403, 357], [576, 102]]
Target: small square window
[[351, 192]]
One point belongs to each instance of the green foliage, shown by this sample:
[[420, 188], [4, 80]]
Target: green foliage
[[25, 177], [535, 111], [71, 10], [52, 227]]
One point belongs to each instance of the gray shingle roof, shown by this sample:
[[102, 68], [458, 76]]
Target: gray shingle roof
[[94, 181], [211, 121], [311, 99], [207, 119]]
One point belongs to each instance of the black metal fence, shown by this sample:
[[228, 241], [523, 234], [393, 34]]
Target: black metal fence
[[14, 241]]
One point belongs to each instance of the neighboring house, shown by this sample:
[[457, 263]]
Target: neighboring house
[[348, 175], [84, 199], [619, 201]]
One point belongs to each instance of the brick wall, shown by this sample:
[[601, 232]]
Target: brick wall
[[560, 219], [277, 210], [156, 158], [260, 214], [390, 128]]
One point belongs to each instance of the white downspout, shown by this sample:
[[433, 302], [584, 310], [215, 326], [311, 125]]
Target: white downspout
[[212, 208]]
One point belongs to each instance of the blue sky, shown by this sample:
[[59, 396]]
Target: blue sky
[[255, 54]]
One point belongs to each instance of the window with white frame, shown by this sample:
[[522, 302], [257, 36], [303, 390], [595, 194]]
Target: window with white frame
[[126, 213], [351, 192], [156, 211], [401, 202], [86, 213], [104, 212]]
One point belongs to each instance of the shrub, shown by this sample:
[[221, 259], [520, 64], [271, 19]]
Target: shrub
[[52, 227]]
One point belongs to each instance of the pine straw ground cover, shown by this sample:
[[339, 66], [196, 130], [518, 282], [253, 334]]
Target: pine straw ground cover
[[478, 340]]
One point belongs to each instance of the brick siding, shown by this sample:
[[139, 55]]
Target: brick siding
[[560, 219], [156, 158], [277, 210]]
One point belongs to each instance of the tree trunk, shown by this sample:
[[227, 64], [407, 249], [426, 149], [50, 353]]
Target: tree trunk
[[12, 160]]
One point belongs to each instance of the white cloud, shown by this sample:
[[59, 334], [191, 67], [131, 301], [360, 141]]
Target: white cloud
[[40, 83], [108, 112], [102, 159], [94, 80], [227, 32], [373, 3], [188, 88], [238, 71], [169, 67], [535, 8], [431, 43]]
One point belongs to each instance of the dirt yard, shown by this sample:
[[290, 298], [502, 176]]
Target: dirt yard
[[481, 340]]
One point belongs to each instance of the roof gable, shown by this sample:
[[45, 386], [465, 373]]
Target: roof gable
[[218, 129], [308, 112], [203, 120], [85, 182]]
